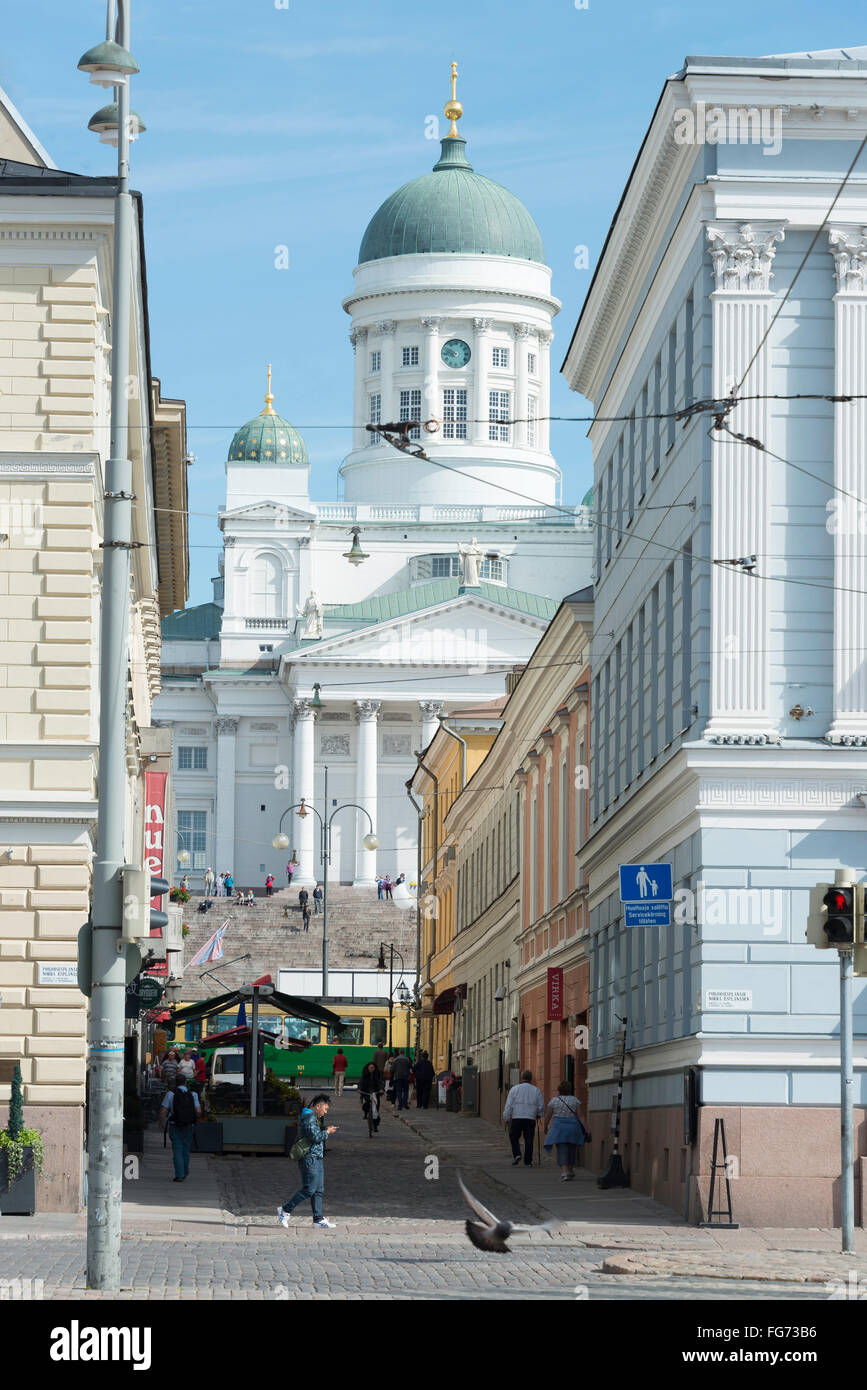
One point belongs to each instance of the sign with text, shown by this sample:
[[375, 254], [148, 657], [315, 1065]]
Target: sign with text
[[55, 973], [728, 999], [645, 883], [154, 830], [555, 994], [647, 914]]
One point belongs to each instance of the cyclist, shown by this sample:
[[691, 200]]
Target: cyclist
[[370, 1090]]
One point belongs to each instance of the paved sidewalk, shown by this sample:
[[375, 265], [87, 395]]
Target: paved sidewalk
[[654, 1240]]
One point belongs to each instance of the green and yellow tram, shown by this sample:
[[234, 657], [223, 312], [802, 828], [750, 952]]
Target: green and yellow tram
[[364, 1028]]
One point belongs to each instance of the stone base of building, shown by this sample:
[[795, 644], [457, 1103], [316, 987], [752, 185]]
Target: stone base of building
[[784, 1162], [62, 1128]]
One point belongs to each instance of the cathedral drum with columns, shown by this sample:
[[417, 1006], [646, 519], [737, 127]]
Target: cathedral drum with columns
[[341, 632]]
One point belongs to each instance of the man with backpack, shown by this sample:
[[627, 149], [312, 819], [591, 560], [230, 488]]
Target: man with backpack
[[181, 1108]]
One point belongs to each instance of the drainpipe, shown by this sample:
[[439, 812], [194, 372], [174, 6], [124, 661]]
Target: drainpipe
[[463, 743], [417, 990], [436, 847]]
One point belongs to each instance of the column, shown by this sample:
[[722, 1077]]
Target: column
[[543, 424], [481, 362], [431, 408], [358, 339], [519, 432], [849, 724], [224, 838], [303, 834], [742, 304], [367, 712], [385, 343], [430, 713]]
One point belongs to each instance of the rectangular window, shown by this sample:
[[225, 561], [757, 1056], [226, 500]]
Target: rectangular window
[[455, 412], [654, 672], [642, 463], [610, 516], [352, 1033], [669, 649], [374, 413], [657, 407], [642, 662], [562, 856], [410, 409], [688, 363], [500, 357], [193, 836], [376, 361], [493, 570], [531, 363], [672, 386], [686, 637], [599, 509], [444, 566], [620, 514], [630, 465], [192, 759], [409, 357], [532, 412], [499, 415]]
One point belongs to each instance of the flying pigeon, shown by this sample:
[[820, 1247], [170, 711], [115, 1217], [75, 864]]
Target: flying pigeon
[[491, 1234]]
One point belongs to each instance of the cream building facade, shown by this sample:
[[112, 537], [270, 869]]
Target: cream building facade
[[56, 242]]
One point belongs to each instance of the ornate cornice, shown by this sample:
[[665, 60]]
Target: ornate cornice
[[742, 255], [849, 249]]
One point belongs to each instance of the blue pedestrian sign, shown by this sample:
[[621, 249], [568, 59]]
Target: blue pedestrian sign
[[645, 883]]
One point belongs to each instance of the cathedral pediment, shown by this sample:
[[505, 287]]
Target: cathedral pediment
[[268, 512]]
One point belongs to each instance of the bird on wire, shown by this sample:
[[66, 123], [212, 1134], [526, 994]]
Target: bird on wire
[[491, 1234]]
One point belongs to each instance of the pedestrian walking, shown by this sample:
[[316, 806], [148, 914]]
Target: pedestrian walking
[[524, 1105], [229, 884], [210, 883], [388, 885], [390, 1093], [379, 888], [400, 1072], [424, 1075], [338, 1070], [186, 1068], [201, 1069], [269, 885], [380, 1057], [185, 882], [221, 884], [305, 916], [310, 1146], [317, 898], [290, 869], [564, 1129], [181, 1109], [170, 1064], [370, 1084], [303, 898]]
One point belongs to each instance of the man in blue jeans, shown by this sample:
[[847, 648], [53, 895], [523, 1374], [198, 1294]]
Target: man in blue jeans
[[312, 1165], [181, 1108], [400, 1070]]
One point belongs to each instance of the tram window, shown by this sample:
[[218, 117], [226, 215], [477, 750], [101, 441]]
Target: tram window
[[351, 1034], [378, 1032], [271, 1024], [194, 1031], [302, 1030]]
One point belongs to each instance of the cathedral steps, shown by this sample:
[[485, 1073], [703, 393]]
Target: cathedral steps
[[357, 923]]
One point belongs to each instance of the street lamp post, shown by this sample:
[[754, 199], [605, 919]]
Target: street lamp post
[[111, 65], [281, 841], [392, 951]]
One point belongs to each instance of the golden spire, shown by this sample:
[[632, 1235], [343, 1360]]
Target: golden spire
[[453, 108], [269, 399]]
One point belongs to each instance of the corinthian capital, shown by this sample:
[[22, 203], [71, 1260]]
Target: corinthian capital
[[357, 335], [226, 725], [367, 709], [742, 255], [431, 324], [849, 249], [302, 709], [482, 325], [386, 327]]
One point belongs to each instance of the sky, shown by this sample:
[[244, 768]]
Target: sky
[[286, 123]]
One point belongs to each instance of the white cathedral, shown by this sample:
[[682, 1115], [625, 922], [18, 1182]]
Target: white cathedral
[[312, 658]]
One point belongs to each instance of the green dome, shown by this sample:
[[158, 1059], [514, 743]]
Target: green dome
[[453, 210], [587, 499], [268, 438]]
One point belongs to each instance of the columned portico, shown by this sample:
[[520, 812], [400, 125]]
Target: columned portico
[[226, 729], [304, 829], [849, 249], [430, 391], [367, 712]]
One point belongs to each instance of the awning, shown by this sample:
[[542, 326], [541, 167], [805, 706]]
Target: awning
[[445, 1001], [286, 1003]]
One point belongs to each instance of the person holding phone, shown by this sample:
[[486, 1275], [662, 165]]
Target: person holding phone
[[312, 1133]]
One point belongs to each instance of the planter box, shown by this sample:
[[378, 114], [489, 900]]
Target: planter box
[[20, 1198], [208, 1137]]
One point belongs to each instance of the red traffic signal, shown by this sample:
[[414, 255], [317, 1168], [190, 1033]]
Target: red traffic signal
[[840, 925]]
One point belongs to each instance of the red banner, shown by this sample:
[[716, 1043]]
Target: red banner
[[155, 827], [555, 993], [159, 968]]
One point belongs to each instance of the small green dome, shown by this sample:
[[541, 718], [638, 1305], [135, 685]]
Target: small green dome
[[452, 210], [587, 499], [268, 438]]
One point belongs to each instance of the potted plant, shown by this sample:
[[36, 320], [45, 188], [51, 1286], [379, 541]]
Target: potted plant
[[179, 895], [21, 1158]]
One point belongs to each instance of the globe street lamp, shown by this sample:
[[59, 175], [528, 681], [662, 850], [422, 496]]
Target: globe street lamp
[[281, 841]]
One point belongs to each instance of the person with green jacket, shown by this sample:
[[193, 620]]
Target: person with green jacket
[[312, 1135]]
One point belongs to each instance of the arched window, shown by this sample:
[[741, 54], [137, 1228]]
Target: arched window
[[266, 587]]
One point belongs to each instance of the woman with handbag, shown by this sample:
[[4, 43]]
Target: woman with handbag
[[563, 1127], [308, 1150]]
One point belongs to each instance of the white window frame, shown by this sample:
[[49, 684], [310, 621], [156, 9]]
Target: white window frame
[[410, 408], [374, 412], [532, 420], [499, 411], [501, 357], [376, 360], [198, 761], [409, 357], [189, 835], [532, 362], [454, 412]]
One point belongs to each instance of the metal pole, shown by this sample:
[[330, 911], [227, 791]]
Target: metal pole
[[847, 1087], [254, 1069], [325, 840], [390, 991], [108, 974]]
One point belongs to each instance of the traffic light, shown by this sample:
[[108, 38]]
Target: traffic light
[[139, 889], [817, 917], [836, 917], [839, 925]]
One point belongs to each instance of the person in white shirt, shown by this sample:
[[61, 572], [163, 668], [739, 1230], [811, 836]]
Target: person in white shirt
[[524, 1106], [186, 1068]]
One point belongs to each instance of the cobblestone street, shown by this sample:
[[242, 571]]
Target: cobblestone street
[[398, 1233]]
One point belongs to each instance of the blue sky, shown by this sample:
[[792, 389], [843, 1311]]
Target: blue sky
[[289, 126]]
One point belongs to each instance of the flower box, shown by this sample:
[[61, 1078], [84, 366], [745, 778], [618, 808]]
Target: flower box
[[19, 1199]]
